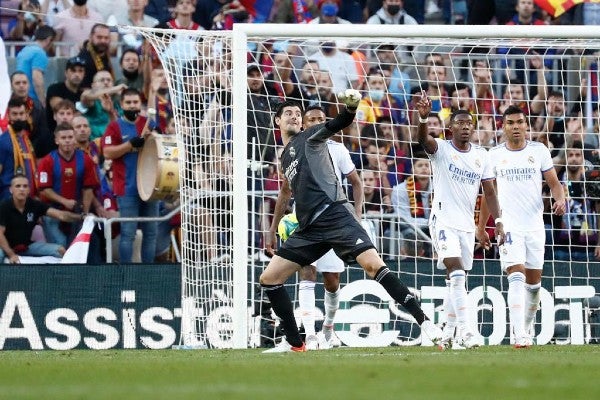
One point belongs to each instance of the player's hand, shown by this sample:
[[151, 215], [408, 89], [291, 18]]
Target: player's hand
[[351, 98], [483, 238], [499, 233], [559, 207], [137, 142], [423, 105], [270, 243]]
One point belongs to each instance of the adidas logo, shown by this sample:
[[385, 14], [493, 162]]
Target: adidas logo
[[359, 241], [408, 297]]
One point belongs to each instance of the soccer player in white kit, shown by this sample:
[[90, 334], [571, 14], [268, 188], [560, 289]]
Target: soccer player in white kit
[[330, 265], [459, 169], [519, 166]]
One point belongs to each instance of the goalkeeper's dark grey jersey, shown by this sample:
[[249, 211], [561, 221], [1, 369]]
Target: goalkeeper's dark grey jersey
[[309, 170]]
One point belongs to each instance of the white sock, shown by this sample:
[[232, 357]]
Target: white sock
[[306, 300], [532, 301], [450, 313], [516, 302], [458, 296], [332, 303]]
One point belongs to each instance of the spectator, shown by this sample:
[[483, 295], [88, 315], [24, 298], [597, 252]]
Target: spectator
[[392, 13], [259, 116], [17, 155], [514, 92], [354, 11], [99, 104], [28, 19], [39, 134], [308, 83], [486, 103], [19, 215], [340, 66], [121, 143], [50, 8], [106, 8], [82, 130], [184, 9], [375, 200], [435, 87], [95, 54], [377, 102], [399, 81], [135, 17], [130, 69], [328, 13], [33, 61], [75, 24], [576, 232], [411, 199], [461, 98], [67, 180], [64, 111], [159, 9], [159, 97], [286, 11], [554, 120], [69, 89], [327, 96]]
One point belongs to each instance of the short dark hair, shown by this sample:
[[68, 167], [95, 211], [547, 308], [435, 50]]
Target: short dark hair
[[130, 92], [287, 103], [17, 176], [64, 126], [98, 25], [314, 107], [17, 72], [511, 110], [15, 102], [456, 113], [44, 32], [64, 103], [577, 144], [128, 50]]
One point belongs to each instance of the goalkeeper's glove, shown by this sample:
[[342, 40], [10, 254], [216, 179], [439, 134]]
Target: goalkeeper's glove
[[137, 142], [351, 98]]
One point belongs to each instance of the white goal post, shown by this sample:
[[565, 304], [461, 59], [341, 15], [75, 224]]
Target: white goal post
[[228, 165]]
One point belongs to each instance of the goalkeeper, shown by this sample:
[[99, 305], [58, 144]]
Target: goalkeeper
[[326, 220], [330, 265]]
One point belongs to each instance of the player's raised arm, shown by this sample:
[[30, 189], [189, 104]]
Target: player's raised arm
[[351, 98], [424, 108]]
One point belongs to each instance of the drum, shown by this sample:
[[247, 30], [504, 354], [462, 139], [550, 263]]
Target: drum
[[158, 169]]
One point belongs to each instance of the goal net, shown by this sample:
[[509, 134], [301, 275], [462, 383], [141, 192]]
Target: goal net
[[224, 88]]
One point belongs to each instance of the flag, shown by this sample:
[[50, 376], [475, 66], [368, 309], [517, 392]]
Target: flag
[[78, 250], [557, 7]]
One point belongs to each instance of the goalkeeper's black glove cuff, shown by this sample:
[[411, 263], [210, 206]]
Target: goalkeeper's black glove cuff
[[137, 142]]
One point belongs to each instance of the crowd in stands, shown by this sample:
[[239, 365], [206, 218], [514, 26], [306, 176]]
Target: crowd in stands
[[76, 137]]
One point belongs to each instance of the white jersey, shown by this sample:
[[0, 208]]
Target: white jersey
[[340, 156], [457, 176], [519, 179]]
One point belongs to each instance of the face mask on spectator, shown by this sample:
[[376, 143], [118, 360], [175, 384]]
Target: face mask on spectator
[[131, 75], [80, 2], [376, 94], [131, 115], [19, 126], [393, 9]]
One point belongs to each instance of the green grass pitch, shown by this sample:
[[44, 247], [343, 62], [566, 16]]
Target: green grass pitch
[[494, 372]]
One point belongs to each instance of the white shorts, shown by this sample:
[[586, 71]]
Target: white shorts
[[525, 248], [449, 243], [330, 262]]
